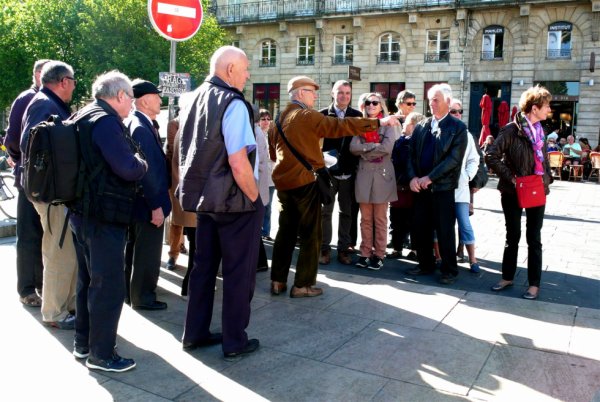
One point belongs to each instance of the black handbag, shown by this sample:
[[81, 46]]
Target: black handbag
[[322, 176]]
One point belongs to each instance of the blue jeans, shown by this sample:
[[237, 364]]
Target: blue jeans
[[466, 235], [266, 225]]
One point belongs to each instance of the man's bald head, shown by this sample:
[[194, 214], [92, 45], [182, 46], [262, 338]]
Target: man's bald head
[[231, 65]]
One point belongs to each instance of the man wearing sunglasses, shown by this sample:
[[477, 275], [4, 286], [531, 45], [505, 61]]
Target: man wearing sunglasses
[[60, 263], [342, 180]]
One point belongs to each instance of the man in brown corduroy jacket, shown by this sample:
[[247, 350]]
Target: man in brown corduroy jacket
[[297, 190]]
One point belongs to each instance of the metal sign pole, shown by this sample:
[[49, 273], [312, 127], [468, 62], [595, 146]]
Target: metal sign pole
[[172, 69]]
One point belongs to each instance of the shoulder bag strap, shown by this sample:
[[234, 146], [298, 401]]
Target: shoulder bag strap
[[291, 148]]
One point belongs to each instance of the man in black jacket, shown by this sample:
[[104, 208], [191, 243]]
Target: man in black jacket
[[437, 150], [343, 173]]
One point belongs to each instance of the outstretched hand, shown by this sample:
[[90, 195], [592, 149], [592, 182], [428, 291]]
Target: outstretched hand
[[390, 121]]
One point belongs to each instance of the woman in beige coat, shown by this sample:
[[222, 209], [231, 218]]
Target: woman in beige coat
[[375, 183]]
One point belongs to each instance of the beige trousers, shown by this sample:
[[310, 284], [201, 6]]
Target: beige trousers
[[60, 264], [373, 229]]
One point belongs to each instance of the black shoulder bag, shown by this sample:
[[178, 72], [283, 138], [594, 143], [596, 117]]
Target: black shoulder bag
[[321, 175]]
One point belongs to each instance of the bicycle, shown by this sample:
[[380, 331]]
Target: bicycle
[[8, 195]]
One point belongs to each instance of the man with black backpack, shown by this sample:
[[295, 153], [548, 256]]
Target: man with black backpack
[[100, 217], [60, 263]]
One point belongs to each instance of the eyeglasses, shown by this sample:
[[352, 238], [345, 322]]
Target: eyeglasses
[[410, 103], [369, 103], [72, 79], [130, 96], [456, 111], [265, 119]]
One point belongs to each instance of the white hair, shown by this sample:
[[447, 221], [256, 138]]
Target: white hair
[[108, 85], [444, 89]]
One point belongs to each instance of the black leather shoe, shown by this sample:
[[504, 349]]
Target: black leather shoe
[[418, 271], [214, 339], [447, 279], [155, 305], [251, 346]]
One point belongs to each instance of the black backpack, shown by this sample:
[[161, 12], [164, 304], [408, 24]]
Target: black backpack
[[481, 178], [52, 161]]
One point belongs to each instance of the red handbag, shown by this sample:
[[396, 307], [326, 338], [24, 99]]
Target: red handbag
[[530, 191]]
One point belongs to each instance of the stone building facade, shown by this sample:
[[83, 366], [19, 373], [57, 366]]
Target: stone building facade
[[499, 46]]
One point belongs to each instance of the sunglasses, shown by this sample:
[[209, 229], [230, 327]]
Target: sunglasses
[[410, 103], [369, 103], [265, 119], [455, 111]]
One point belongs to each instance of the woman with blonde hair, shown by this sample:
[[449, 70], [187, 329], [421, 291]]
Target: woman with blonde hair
[[375, 183]]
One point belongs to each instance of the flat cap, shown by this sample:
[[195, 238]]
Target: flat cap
[[142, 87], [301, 81]]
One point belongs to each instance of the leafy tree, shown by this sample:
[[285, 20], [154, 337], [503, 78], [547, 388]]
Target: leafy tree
[[94, 36]]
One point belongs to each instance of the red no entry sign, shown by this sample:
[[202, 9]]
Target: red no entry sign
[[177, 20]]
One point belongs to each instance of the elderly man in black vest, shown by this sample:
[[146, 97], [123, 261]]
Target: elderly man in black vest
[[219, 174]]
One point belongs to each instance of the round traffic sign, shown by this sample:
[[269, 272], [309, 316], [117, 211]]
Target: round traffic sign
[[176, 20]]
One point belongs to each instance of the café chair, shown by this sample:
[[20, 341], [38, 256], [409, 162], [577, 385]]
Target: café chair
[[555, 158], [576, 171], [595, 161]]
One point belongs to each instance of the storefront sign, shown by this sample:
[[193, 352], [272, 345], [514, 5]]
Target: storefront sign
[[494, 29], [174, 84]]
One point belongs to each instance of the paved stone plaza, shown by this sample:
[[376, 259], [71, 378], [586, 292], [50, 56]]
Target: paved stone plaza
[[381, 336]]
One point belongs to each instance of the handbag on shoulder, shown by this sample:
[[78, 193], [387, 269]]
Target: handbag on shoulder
[[530, 191]]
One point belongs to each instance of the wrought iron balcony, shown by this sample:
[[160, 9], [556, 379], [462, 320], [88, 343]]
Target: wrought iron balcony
[[267, 62], [493, 55], [305, 61], [340, 59], [387, 58], [558, 54], [437, 57]]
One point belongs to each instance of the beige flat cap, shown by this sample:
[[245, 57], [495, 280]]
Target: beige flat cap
[[301, 81]]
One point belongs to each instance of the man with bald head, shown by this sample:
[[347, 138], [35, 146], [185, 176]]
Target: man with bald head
[[218, 181]]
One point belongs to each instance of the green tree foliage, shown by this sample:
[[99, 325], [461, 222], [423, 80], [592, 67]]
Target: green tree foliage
[[94, 36]]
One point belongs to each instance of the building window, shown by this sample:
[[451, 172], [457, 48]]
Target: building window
[[266, 96], [235, 43], [389, 49], [268, 54], [559, 40], [342, 49], [492, 43], [389, 91], [306, 50], [438, 45]]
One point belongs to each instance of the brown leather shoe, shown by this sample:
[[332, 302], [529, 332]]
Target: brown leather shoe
[[307, 291], [278, 288], [344, 258], [325, 258]]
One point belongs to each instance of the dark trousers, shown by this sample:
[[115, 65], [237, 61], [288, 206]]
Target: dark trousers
[[190, 232], [300, 215], [231, 238], [29, 247], [262, 255], [535, 220], [100, 284], [401, 226], [142, 262], [436, 211], [348, 212]]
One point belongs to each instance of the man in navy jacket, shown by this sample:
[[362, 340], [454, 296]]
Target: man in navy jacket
[[152, 205]]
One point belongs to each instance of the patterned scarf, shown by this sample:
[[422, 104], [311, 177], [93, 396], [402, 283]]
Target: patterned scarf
[[535, 133]]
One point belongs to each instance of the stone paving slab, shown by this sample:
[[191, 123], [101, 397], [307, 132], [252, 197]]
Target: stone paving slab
[[514, 373], [442, 361]]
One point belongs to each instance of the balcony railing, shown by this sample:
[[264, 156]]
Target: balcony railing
[[494, 55], [339, 59], [558, 54], [305, 61], [269, 10], [387, 58], [437, 57], [267, 63]]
